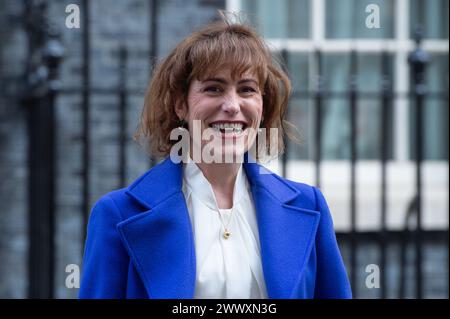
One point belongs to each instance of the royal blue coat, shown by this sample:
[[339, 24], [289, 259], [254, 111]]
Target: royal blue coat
[[140, 243]]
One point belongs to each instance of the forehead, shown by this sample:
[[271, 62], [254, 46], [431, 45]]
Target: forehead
[[228, 75]]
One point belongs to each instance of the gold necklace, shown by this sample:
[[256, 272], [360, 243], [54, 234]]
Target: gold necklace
[[226, 233]]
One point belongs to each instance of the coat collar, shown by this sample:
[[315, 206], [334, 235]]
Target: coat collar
[[160, 240]]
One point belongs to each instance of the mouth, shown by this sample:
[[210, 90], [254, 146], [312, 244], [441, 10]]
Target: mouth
[[228, 127]]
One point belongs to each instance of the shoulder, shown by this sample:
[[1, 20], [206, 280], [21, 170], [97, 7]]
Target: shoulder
[[123, 203], [108, 207], [117, 205], [308, 196], [307, 191], [312, 198]]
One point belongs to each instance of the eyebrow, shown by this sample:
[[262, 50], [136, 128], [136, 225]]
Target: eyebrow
[[222, 80]]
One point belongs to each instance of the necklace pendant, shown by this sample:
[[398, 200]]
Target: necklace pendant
[[226, 234]]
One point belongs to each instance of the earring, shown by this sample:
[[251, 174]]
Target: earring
[[182, 124]]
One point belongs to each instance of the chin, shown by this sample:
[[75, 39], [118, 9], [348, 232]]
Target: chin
[[233, 154]]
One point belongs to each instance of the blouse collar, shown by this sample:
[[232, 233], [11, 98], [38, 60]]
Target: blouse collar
[[197, 183]]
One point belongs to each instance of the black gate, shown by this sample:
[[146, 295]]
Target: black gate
[[41, 82]]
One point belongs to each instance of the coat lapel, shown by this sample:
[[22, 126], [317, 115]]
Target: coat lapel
[[286, 232], [160, 241]]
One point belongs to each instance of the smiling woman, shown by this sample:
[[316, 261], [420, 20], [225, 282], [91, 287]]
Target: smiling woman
[[222, 62], [200, 229], [231, 107]]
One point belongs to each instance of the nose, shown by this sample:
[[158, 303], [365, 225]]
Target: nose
[[231, 103]]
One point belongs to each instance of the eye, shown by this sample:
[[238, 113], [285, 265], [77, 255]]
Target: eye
[[248, 89], [212, 89]]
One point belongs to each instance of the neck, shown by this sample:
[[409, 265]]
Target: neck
[[222, 177]]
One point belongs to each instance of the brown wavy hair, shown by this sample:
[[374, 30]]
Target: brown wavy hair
[[218, 45]]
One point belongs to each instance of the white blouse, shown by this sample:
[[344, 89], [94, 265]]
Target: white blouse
[[226, 267]]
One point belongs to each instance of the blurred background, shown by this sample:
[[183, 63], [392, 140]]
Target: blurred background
[[370, 85]]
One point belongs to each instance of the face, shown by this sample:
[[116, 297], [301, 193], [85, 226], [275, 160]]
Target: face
[[229, 109]]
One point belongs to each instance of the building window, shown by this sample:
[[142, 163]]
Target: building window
[[337, 27], [435, 112], [279, 19], [432, 15], [346, 19]]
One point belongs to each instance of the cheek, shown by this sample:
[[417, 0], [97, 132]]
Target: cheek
[[200, 112], [257, 108], [260, 109], [195, 108]]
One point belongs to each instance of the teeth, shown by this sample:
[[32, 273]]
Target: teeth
[[228, 127]]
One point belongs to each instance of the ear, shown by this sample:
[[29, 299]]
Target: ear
[[180, 109]]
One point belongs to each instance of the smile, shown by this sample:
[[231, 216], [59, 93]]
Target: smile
[[228, 127]]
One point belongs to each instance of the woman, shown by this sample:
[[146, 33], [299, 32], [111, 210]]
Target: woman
[[199, 225]]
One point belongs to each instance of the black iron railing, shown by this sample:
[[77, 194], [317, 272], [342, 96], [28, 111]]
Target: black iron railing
[[41, 85], [45, 52]]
